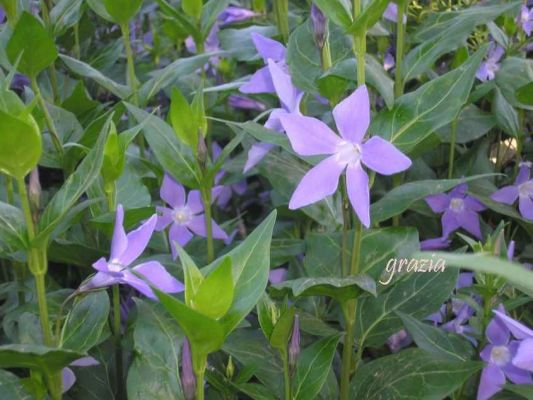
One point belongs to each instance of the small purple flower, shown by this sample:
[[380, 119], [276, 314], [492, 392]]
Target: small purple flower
[[525, 19], [261, 80], [458, 210], [277, 275], [125, 249], [185, 217], [188, 380], [522, 189], [290, 97], [236, 14], [524, 355], [245, 103], [311, 137], [222, 194], [498, 356], [19, 82], [488, 68], [391, 13], [459, 324], [399, 340], [320, 25], [388, 61], [68, 379]]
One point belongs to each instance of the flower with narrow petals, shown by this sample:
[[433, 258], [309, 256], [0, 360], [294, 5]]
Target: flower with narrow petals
[[498, 356], [524, 355], [268, 49], [458, 210], [488, 68], [290, 97], [521, 189], [185, 215], [525, 19], [311, 137], [125, 249]]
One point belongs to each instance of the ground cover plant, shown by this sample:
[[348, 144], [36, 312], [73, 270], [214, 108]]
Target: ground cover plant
[[254, 199]]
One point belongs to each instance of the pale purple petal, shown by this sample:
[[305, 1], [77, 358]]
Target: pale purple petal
[[525, 205], [469, 220], [524, 355], [194, 201], [85, 362], [497, 333], [319, 182], [180, 234], [523, 173], [435, 244], [449, 223], [474, 204], [519, 330], [222, 195], [466, 279], [67, 379], [172, 192], [101, 265], [119, 242], [256, 153], [516, 375], [164, 218], [240, 187], [99, 280], [159, 277], [137, 241], [273, 122], [288, 94], [438, 202], [138, 284], [359, 192], [491, 382], [506, 195], [268, 48], [511, 250], [260, 82], [459, 191], [352, 115], [215, 150], [197, 225], [277, 275], [382, 157], [309, 136], [482, 72]]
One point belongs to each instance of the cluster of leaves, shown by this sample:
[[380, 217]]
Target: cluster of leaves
[[99, 99]]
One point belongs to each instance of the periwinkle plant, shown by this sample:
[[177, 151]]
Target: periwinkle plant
[[203, 199]]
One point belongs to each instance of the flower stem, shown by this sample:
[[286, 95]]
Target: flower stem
[[345, 228], [206, 198], [48, 118], [281, 10], [348, 309], [452, 148], [286, 375], [118, 348], [359, 45], [199, 362], [400, 45]]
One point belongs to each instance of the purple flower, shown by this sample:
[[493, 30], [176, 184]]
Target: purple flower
[[235, 14], [388, 61], [261, 80], [19, 82], [188, 380], [277, 275], [524, 355], [522, 189], [498, 356], [2, 15], [459, 324], [311, 137], [125, 249], [391, 13], [185, 216], [290, 98], [67, 375], [458, 210], [222, 194], [245, 103], [525, 19], [488, 68], [399, 340]]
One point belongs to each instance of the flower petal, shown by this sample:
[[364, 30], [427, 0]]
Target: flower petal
[[99, 280], [474, 204], [268, 48], [309, 136], [352, 115], [194, 201], [435, 244], [506, 195], [179, 234], [277, 275], [119, 242], [288, 93], [320, 181], [523, 174], [519, 330], [138, 284], [524, 355], [101, 265], [359, 192], [449, 223], [273, 121], [256, 153], [438, 202], [158, 276], [172, 192], [260, 82], [137, 241], [517, 375], [68, 379], [164, 218], [469, 220], [197, 225], [491, 382], [525, 205], [497, 333], [85, 362], [383, 157]]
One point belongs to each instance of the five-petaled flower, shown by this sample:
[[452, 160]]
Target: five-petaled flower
[[458, 210], [521, 189], [311, 137], [488, 68], [185, 217], [125, 249]]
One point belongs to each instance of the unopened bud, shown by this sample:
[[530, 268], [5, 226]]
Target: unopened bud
[[294, 346], [188, 381], [34, 193], [202, 151], [230, 368], [319, 24]]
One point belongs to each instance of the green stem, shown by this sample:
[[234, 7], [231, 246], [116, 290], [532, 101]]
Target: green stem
[[400, 45], [452, 148], [131, 78], [356, 248], [18, 268], [118, 347], [326, 56], [46, 7], [345, 228], [286, 375], [206, 198], [281, 10], [47, 117], [348, 309], [199, 363], [359, 45]]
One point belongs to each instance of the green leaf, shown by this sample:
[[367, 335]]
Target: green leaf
[[402, 197], [215, 294], [74, 187], [444, 32], [437, 341], [114, 159], [33, 43], [122, 10], [336, 10], [12, 225], [472, 124], [157, 338], [515, 73], [210, 13], [516, 274], [238, 42], [193, 8], [266, 310], [337, 288], [524, 390], [12, 388], [87, 71], [417, 114], [65, 14], [506, 115], [280, 335], [411, 374], [173, 155], [524, 94], [370, 15], [192, 275], [183, 122], [85, 323], [313, 367], [36, 357], [417, 294]]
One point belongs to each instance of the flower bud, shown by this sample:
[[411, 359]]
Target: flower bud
[[294, 346], [188, 380], [230, 368], [202, 151], [320, 26]]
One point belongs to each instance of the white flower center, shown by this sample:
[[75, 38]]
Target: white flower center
[[115, 266], [182, 215], [457, 205], [526, 189], [348, 153], [500, 355]]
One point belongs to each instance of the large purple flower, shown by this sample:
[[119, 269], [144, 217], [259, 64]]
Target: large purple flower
[[498, 356], [525, 19], [261, 80], [185, 215], [522, 189], [290, 97], [311, 137], [488, 68], [524, 355], [125, 249], [458, 210]]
